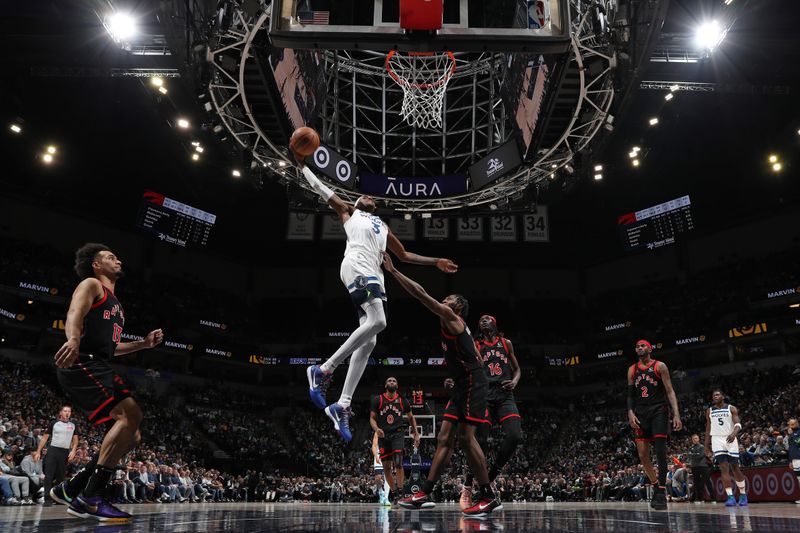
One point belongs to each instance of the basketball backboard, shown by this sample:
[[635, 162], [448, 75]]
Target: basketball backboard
[[538, 26]]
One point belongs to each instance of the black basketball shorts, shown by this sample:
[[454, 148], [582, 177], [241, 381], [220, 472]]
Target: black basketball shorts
[[93, 387]]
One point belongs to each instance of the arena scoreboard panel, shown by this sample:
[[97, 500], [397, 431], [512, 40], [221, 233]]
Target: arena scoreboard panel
[[656, 226], [174, 222]]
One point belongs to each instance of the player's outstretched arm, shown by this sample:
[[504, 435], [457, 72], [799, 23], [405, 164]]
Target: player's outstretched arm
[[415, 289], [397, 248], [153, 339], [342, 208]]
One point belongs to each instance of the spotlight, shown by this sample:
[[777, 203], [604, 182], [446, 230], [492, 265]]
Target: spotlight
[[598, 168], [163, 90], [493, 207], [208, 107], [636, 149], [773, 158], [673, 88], [569, 169], [426, 215], [635, 162], [199, 149], [195, 143], [709, 35], [195, 157], [281, 163], [728, 2], [554, 165], [552, 176], [16, 128], [598, 177], [654, 121], [183, 123], [632, 154], [157, 81], [217, 128], [407, 216], [30, 302], [669, 96], [121, 26], [51, 150], [47, 158], [236, 173], [794, 306], [777, 167]]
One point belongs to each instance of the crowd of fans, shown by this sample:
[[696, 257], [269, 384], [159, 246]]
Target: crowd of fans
[[566, 455]]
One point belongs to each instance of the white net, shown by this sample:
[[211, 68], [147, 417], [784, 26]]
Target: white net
[[424, 77]]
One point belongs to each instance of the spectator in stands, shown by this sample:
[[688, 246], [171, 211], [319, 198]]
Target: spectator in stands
[[19, 482], [33, 469]]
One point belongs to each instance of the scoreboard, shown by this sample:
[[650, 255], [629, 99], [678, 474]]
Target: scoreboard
[[174, 222], [656, 226]]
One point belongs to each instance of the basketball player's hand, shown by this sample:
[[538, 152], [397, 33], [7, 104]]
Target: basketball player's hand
[[677, 425], [449, 383], [154, 338], [731, 438], [509, 384], [446, 265], [68, 353], [416, 440], [632, 420], [388, 266], [380, 433], [709, 454]]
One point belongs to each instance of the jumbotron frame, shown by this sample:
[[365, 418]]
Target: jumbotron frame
[[591, 112]]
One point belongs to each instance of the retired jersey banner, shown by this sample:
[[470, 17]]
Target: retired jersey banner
[[470, 229], [535, 226], [332, 228], [300, 227], [405, 230], [504, 228], [436, 228]]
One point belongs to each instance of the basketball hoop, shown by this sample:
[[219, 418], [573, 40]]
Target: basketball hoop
[[424, 77]]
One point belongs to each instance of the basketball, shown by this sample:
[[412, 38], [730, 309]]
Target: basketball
[[304, 141]]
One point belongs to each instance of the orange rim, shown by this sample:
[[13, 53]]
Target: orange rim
[[447, 75]]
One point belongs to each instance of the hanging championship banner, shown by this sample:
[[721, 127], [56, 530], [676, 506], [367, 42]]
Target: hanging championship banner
[[300, 227], [504, 228], [403, 229], [470, 229], [536, 226], [332, 228], [436, 228]]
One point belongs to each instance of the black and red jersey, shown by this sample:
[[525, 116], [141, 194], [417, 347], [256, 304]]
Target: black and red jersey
[[390, 411], [649, 385], [460, 353], [495, 356], [102, 327]]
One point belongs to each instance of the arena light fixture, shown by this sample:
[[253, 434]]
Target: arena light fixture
[[236, 174], [16, 128], [195, 157], [654, 121], [709, 35], [163, 90], [122, 26], [632, 154], [669, 96], [635, 162], [773, 158], [598, 168], [598, 177], [157, 81], [199, 149], [554, 165], [636, 149], [407, 216], [777, 167], [281, 163], [51, 150], [794, 306], [673, 88], [47, 158], [183, 123], [195, 143], [552, 175]]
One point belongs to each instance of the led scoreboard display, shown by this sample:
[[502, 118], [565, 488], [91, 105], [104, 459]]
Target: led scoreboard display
[[656, 226], [174, 222]]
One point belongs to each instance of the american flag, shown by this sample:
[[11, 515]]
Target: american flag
[[314, 17]]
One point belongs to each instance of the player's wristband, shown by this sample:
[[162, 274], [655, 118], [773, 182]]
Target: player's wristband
[[737, 425], [320, 188]]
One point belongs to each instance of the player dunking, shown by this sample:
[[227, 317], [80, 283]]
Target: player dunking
[[386, 418], [467, 407], [367, 237], [722, 427], [94, 328], [503, 374], [649, 387]]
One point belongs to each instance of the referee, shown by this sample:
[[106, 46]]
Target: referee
[[63, 443]]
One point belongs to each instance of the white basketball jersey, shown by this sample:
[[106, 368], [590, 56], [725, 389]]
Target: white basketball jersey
[[366, 239], [721, 421]]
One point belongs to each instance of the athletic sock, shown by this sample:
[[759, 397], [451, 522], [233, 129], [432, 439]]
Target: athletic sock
[[427, 486], [742, 487], [486, 491], [729, 492], [78, 482], [98, 481]]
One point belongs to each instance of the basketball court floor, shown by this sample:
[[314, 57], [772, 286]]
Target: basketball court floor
[[368, 518]]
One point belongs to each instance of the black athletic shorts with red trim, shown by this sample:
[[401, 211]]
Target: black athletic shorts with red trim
[[653, 422], [391, 444], [500, 405], [93, 387], [468, 399]]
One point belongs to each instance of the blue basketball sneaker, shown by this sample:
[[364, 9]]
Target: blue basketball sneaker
[[318, 383], [341, 419], [742, 500], [98, 508], [731, 502]]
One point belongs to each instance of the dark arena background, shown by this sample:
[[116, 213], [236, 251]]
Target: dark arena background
[[601, 171]]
